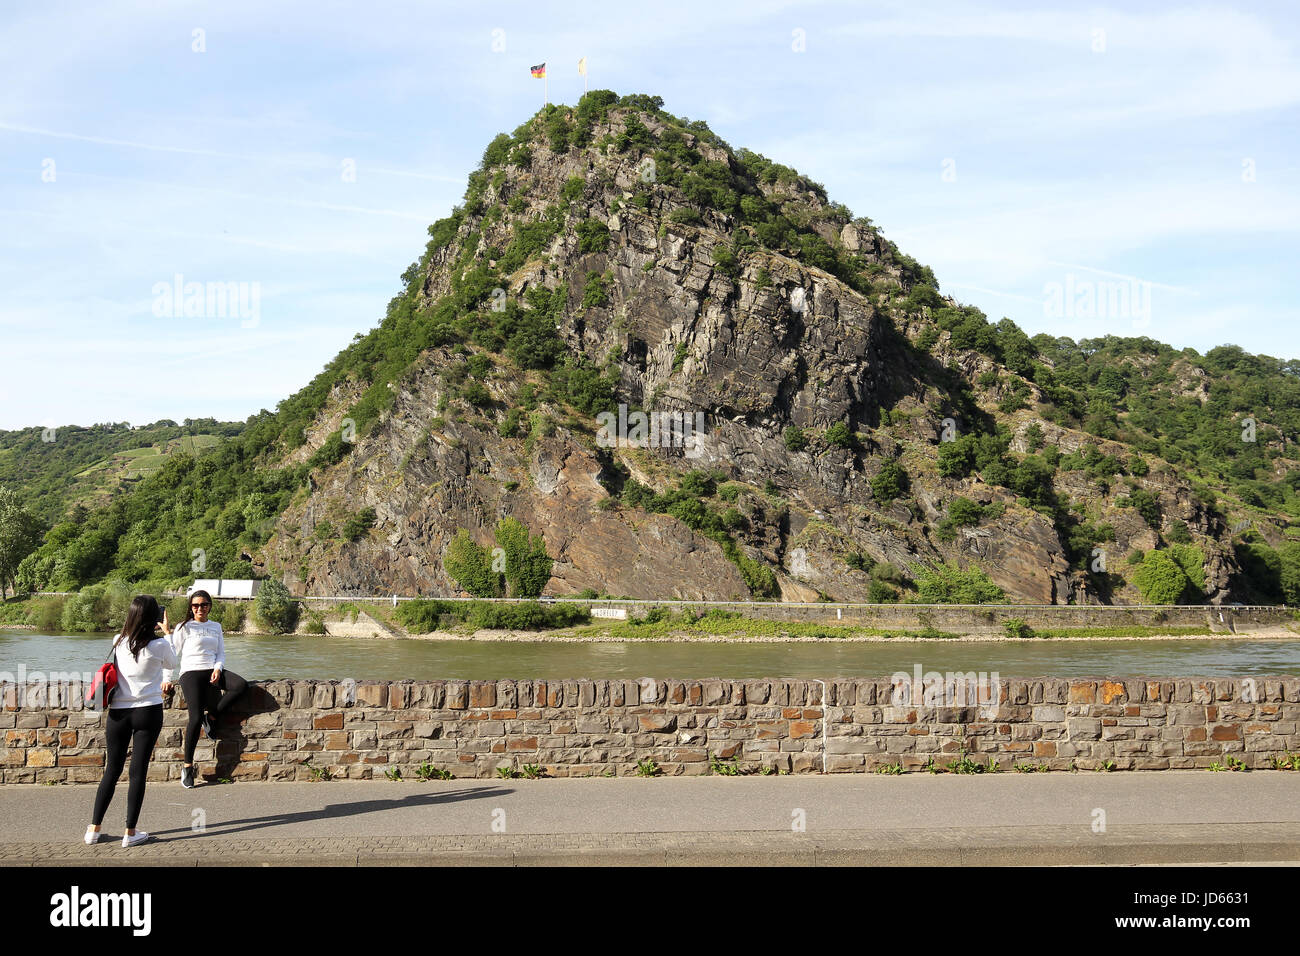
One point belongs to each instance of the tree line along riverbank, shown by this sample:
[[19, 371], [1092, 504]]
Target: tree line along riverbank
[[101, 610]]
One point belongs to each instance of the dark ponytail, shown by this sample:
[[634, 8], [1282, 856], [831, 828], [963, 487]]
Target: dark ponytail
[[141, 619]]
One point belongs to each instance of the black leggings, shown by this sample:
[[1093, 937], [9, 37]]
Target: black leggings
[[139, 727], [203, 695]]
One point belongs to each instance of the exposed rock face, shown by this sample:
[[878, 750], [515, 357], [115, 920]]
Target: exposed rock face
[[757, 349]]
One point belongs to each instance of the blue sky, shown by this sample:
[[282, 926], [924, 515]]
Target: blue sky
[[1012, 147]]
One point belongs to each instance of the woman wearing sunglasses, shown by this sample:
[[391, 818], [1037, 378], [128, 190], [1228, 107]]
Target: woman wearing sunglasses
[[209, 688]]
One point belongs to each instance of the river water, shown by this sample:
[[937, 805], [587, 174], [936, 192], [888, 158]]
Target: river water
[[264, 658]]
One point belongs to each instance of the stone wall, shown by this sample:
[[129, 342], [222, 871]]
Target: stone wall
[[294, 729]]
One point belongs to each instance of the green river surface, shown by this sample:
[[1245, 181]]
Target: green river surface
[[265, 658]]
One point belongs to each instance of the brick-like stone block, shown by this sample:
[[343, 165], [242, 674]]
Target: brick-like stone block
[[482, 694], [1083, 692], [457, 695], [1110, 692], [714, 692], [507, 692], [802, 728], [570, 698], [252, 770], [302, 695], [81, 760]]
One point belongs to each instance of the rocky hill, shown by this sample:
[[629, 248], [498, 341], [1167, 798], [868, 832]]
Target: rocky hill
[[856, 435], [800, 352]]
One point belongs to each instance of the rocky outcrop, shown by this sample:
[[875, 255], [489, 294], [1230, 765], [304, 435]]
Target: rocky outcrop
[[769, 344]]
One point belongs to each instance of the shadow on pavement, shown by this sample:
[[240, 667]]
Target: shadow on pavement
[[332, 812]]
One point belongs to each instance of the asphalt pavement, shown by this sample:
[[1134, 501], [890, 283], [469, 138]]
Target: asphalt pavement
[[1062, 818]]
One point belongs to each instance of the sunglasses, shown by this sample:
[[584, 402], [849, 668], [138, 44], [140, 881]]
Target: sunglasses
[[197, 606]]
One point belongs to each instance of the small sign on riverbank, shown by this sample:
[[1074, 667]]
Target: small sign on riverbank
[[616, 613]]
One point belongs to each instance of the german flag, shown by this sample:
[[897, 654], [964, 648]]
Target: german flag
[[539, 70]]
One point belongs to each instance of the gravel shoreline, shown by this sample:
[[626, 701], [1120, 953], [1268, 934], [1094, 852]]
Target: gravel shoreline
[[534, 637]]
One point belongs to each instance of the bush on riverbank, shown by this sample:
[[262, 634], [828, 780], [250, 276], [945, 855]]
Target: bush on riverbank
[[422, 617], [948, 584], [102, 609], [275, 608]]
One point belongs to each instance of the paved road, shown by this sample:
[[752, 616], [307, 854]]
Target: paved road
[[1172, 817]]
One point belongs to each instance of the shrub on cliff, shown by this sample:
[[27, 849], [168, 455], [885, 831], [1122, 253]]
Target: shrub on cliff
[[725, 261], [527, 565], [359, 523], [594, 294], [470, 566], [957, 458], [963, 511], [840, 436], [497, 152], [274, 608], [1192, 560], [1171, 574], [890, 482], [949, 584], [1160, 579], [881, 593], [593, 235], [1146, 504]]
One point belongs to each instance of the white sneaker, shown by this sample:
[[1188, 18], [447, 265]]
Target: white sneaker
[[92, 836], [139, 837]]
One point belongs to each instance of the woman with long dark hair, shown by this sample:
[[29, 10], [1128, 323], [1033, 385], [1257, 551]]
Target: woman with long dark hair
[[209, 688], [135, 714]]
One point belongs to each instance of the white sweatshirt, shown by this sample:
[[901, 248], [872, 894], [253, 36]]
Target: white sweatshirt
[[139, 682], [199, 647]]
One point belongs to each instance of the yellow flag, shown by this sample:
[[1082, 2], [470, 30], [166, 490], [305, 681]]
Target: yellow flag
[[582, 66]]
